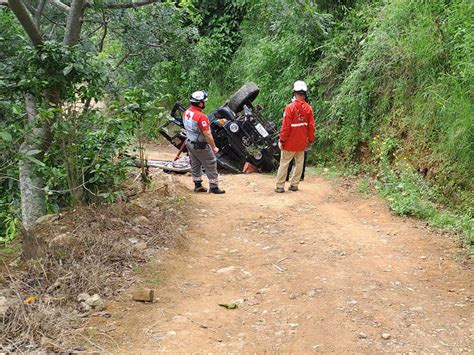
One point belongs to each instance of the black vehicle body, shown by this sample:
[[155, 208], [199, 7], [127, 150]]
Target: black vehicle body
[[242, 136]]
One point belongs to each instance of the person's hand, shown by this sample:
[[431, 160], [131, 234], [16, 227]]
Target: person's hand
[[280, 145], [308, 147], [215, 149]]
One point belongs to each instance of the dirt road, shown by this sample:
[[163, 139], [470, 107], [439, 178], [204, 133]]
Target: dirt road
[[320, 270]]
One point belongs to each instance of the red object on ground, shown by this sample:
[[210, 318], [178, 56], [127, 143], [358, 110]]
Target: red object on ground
[[249, 168], [180, 150]]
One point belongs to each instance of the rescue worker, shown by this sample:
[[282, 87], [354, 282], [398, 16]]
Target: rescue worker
[[200, 144], [296, 136]]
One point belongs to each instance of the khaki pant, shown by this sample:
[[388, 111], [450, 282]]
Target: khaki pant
[[285, 159]]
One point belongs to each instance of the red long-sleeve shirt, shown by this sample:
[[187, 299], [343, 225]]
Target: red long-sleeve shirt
[[297, 129]]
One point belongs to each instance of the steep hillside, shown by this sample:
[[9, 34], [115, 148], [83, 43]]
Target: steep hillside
[[392, 86]]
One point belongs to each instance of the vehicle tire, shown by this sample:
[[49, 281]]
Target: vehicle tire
[[247, 93]]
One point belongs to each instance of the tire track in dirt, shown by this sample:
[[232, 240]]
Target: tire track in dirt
[[322, 270]]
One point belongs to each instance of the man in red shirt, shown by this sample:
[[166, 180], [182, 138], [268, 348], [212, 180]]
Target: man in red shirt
[[200, 144], [296, 135]]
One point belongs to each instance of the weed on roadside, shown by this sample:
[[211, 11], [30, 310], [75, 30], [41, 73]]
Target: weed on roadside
[[363, 186], [408, 194], [10, 250], [331, 173], [90, 250]]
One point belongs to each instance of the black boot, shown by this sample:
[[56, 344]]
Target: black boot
[[216, 190], [198, 187]]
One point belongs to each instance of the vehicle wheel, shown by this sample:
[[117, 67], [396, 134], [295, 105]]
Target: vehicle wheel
[[247, 93]]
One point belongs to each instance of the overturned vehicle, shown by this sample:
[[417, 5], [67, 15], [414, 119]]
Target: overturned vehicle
[[239, 130]]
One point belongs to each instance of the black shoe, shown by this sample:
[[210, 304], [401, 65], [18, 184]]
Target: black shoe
[[293, 188], [200, 189], [216, 190], [280, 190]]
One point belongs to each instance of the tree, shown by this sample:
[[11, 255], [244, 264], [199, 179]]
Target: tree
[[45, 22]]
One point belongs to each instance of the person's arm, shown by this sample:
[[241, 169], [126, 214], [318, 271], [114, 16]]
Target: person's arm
[[204, 126], [285, 126], [311, 128], [210, 140]]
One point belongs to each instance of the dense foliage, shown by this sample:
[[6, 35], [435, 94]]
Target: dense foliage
[[399, 70], [391, 83]]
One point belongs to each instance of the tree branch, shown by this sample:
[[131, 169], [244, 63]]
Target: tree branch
[[126, 56], [23, 16], [30, 8], [102, 40], [39, 12], [93, 31], [74, 24], [59, 24], [62, 6], [125, 5]]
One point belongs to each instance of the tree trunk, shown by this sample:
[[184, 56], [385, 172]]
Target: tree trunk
[[34, 247], [23, 16], [74, 24], [33, 198]]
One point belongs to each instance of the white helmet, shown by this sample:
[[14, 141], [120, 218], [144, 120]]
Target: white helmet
[[300, 85], [198, 96]]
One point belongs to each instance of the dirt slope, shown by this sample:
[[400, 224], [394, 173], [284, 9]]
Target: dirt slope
[[320, 270]]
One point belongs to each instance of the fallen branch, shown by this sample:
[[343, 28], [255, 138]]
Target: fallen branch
[[279, 261]]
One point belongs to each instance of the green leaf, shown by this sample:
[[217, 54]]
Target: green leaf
[[67, 70], [36, 161], [229, 305], [7, 137], [33, 152]]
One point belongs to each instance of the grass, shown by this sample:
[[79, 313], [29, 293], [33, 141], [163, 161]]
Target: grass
[[148, 274], [408, 194], [363, 186], [9, 253], [138, 269], [9, 250], [331, 173], [153, 277]]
